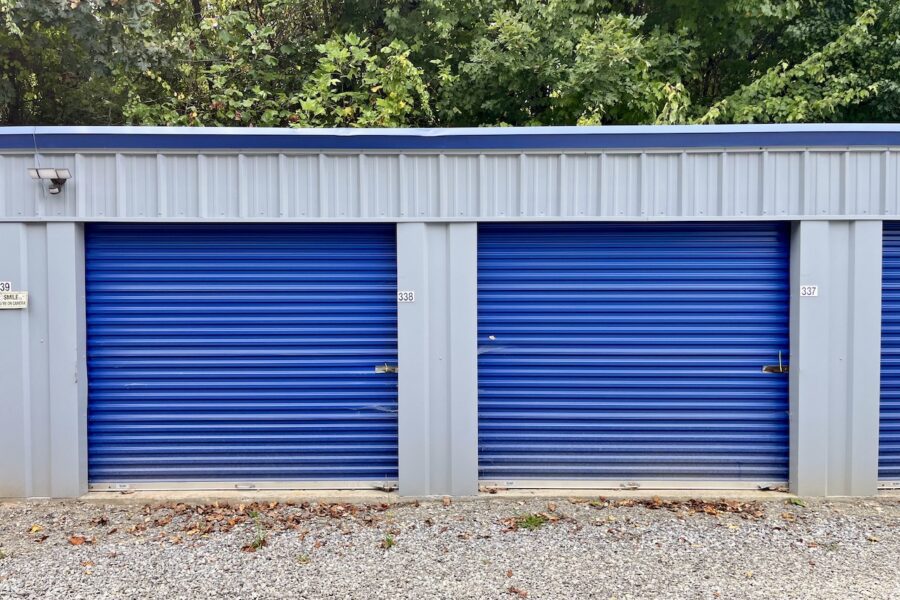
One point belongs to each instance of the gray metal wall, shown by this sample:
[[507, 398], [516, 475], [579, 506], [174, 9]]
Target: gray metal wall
[[43, 375], [838, 198], [835, 351], [699, 184], [835, 367]]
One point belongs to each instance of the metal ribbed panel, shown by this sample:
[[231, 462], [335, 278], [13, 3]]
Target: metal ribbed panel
[[226, 353], [889, 426], [632, 352], [727, 185]]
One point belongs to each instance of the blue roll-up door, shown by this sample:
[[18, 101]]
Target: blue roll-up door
[[633, 352], [889, 426], [241, 353]]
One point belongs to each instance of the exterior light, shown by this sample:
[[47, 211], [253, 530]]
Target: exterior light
[[57, 177]]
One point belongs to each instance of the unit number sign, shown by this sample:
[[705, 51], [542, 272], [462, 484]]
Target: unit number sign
[[5, 286], [406, 296], [808, 291]]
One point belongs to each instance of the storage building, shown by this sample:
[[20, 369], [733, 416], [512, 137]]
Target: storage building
[[443, 311]]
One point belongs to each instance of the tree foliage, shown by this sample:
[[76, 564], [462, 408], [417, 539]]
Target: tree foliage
[[395, 63]]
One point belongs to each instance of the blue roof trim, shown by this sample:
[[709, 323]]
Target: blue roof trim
[[551, 138]]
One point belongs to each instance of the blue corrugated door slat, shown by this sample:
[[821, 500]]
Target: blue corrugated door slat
[[241, 353], [623, 352], [889, 426]]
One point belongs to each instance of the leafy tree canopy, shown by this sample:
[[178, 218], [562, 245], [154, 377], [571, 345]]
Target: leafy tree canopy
[[395, 63]]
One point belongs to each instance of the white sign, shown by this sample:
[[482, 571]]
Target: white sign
[[809, 291], [5, 286], [406, 296], [10, 300]]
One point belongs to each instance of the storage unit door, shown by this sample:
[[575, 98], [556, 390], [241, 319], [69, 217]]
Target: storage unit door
[[241, 354], [889, 427], [633, 353]]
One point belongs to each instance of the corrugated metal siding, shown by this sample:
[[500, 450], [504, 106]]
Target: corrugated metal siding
[[219, 353], [632, 352], [393, 186], [889, 426]]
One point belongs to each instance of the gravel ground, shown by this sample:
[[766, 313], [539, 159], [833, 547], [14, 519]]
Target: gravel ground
[[491, 548]]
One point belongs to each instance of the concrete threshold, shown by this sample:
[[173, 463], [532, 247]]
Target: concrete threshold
[[379, 497]]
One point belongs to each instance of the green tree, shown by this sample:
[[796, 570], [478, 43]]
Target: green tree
[[447, 62]]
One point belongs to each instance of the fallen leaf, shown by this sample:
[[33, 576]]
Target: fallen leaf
[[509, 573], [551, 506], [517, 592], [78, 540], [255, 546], [40, 539], [788, 517], [446, 500], [872, 538], [36, 529], [87, 563]]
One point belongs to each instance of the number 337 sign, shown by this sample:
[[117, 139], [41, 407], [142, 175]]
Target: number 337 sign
[[809, 291]]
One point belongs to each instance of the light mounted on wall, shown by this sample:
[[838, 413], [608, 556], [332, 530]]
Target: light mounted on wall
[[57, 177]]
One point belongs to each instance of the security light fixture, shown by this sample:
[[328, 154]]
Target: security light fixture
[[57, 177]]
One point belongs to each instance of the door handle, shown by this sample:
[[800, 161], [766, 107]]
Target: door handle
[[779, 368], [386, 368]]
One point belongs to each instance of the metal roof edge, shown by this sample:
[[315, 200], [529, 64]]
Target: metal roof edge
[[88, 138]]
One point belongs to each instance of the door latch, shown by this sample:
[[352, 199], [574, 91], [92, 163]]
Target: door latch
[[386, 368], [779, 368]]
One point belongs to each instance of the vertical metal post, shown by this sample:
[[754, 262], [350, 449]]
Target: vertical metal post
[[438, 404], [835, 354]]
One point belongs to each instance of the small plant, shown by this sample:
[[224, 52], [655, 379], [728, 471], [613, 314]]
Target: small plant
[[303, 559], [388, 542], [530, 521], [533, 521], [259, 536], [797, 502], [3, 554]]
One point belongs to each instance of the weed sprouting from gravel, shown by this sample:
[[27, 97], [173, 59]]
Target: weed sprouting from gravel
[[529, 522], [388, 542], [259, 533], [533, 521]]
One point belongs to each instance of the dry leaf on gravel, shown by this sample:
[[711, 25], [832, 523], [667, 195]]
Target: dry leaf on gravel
[[78, 540], [517, 592]]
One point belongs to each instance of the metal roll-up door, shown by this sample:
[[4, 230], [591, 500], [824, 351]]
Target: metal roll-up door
[[889, 426], [226, 354], [623, 353]]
